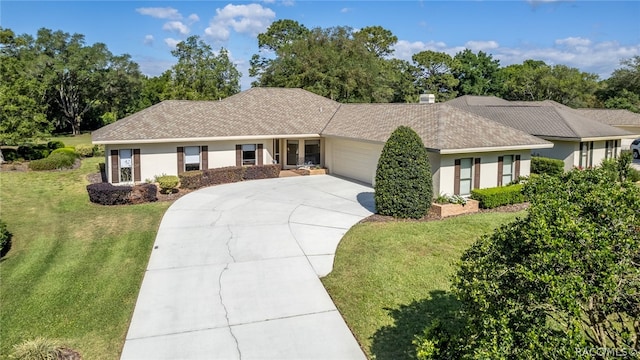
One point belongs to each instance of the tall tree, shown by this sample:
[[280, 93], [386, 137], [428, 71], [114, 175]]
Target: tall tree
[[622, 89], [435, 74], [200, 74], [478, 74], [377, 40]]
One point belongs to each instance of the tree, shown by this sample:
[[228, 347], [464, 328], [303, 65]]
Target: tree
[[556, 284], [478, 74], [435, 74], [377, 40], [622, 89], [200, 74], [403, 187]]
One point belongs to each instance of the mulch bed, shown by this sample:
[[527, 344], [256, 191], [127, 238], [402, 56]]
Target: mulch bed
[[431, 215]]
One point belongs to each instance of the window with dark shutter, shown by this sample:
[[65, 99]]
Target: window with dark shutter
[[516, 174], [456, 178], [205, 157], [476, 173], [180, 152], [238, 155], [500, 165], [115, 168], [136, 165], [259, 155]]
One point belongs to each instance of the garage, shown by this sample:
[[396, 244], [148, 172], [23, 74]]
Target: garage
[[354, 159]]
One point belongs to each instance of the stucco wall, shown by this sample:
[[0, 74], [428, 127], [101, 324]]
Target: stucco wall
[[567, 151]]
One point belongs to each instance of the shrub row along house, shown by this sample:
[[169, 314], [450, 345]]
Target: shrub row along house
[[468, 146]]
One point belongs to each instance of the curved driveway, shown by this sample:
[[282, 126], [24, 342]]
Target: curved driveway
[[234, 273]]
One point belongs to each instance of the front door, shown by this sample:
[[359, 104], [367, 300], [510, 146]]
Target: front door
[[292, 152]]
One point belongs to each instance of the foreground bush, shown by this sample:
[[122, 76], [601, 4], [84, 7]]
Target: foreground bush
[[561, 283], [55, 144], [498, 196], [43, 349], [543, 165], [33, 152], [5, 239], [403, 187], [108, 194], [84, 150]]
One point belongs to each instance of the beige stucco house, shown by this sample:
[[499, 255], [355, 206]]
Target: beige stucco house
[[619, 118], [578, 139], [294, 127]]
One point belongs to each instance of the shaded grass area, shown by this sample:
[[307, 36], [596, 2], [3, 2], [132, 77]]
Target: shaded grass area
[[74, 269], [391, 279], [73, 140]]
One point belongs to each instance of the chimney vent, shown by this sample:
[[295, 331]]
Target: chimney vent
[[427, 99]]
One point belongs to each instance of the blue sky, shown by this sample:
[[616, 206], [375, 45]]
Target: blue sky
[[590, 35]]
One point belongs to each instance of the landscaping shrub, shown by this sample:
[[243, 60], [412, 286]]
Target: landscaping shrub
[[210, 177], [98, 150], [55, 144], [498, 196], [84, 150], [9, 154], [55, 161], [403, 185], [43, 349], [262, 172], [108, 194], [191, 179], [5, 239], [143, 193], [168, 183], [543, 165], [70, 151], [33, 152]]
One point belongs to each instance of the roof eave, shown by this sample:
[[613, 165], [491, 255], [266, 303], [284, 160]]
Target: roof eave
[[592, 138], [202, 139], [492, 149]]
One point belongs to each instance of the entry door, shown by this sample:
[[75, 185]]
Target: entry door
[[292, 152]]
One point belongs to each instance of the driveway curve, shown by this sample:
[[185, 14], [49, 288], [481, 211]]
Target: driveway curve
[[234, 273]]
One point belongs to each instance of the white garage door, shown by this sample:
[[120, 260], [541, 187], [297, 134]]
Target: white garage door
[[355, 160]]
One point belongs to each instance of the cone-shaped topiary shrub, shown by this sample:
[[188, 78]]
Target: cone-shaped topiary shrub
[[403, 188]]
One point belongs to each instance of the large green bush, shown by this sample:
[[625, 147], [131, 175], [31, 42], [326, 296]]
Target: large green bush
[[543, 165], [5, 239], [168, 183], [490, 198], [561, 283], [84, 150], [55, 161], [403, 186]]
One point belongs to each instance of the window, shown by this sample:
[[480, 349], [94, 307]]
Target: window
[[507, 169], [586, 154], [466, 175], [191, 158], [610, 149], [126, 165], [249, 154], [312, 152], [276, 151]]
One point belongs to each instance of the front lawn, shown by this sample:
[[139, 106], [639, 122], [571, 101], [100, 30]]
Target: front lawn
[[75, 268], [389, 279]]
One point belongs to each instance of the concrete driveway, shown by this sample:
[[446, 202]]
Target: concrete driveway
[[234, 273]]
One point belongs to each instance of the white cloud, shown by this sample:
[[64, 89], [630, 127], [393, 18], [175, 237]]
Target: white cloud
[[171, 42], [148, 40], [161, 13], [346, 10], [481, 45], [193, 18], [404, 49], [249, 19], [176, 26]]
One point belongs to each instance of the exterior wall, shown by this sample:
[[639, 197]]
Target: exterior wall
[[567, 151], [435, 159], [488, 169], [159, 159]]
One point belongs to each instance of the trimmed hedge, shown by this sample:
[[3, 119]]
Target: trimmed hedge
[[108, 194], [33, 152], [55, 161], [84, 150], [203, 178], [55, 144], [261, 172], [543, 165], [498, 196]]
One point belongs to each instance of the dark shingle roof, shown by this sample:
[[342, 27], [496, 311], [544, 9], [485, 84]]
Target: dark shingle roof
[[546, 119], [440, 126], [255, 112]]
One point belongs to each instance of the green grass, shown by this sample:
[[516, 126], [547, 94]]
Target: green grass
[[73, 140], [75, 268], [390, 279]]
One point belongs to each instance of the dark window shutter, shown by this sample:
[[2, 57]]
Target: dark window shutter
[[180, 160], [115, 168], [591, 154], [259, 154], [204, 157], [238, 155], [476, 173], [456, 178], [136, 165], [517, 169], [500, 165]]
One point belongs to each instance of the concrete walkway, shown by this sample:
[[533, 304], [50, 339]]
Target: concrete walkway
[[234, 273]]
